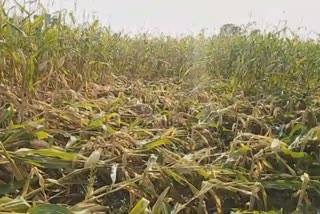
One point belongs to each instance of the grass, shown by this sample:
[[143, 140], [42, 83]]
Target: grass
[[93, 121]]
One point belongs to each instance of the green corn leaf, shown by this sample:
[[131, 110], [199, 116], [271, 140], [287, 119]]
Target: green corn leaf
[[49, 209], [140, 207]]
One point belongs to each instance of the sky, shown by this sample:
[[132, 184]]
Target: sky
[[190, 16]]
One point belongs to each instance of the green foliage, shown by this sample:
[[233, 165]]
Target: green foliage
[[43, 51], [96, 121], [49, 208]]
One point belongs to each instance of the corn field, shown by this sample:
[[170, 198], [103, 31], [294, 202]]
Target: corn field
[[96, 121]]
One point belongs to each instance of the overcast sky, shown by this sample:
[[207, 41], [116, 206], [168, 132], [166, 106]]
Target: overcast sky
[[185, 16]]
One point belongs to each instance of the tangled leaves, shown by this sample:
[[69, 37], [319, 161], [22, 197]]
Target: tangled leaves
[[157, 150]]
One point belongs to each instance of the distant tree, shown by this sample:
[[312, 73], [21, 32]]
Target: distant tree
[[255, 32], [230, 30]]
